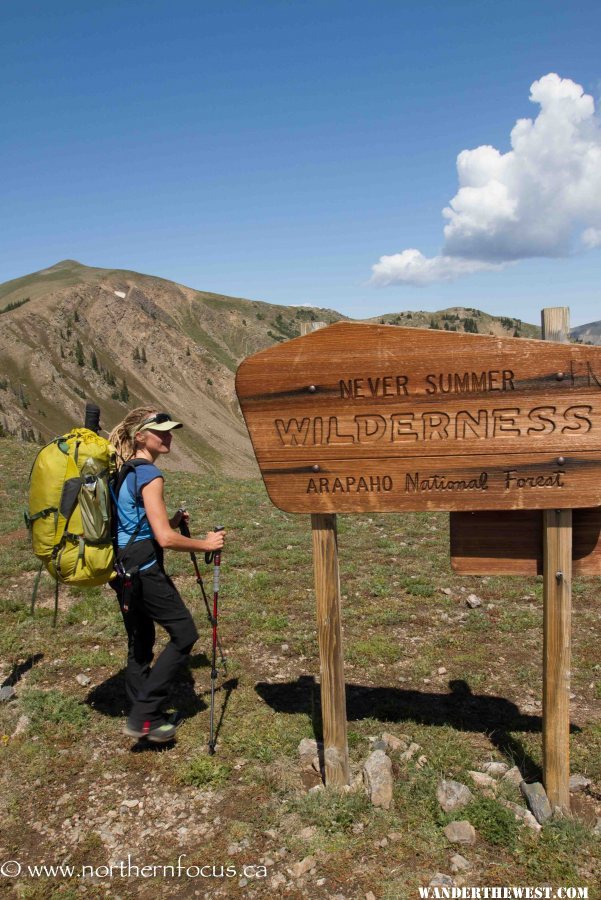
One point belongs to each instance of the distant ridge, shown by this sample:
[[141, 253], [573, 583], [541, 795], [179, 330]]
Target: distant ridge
[[72, 332]]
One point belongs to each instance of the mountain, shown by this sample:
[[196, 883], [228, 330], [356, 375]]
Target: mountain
[[72, 333], [587, 334]]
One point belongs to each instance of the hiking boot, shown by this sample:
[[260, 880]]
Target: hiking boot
[[159, 733]]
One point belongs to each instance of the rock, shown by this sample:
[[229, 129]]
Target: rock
[[410, 751], [459, 863], [316, 789], [597, 828], [522, 815], [277, 880], [421, 761], [441, 670], [377, 775], [308, 747], [447, 591], [370, 896], [495, 769], [22, 726], [537, 800], [307, 833], [303, 867], [7, 692], [460, 832], [482, 780], [514, 776], [473, 601], [453, 795], [442, 880], [83, 679], [393, 743], [579, 783], [379, 745]]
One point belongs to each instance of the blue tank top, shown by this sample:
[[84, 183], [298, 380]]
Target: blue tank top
[[130, 506]]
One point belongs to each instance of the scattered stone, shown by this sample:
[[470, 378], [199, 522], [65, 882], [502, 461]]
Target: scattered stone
[[421, 761], [22, 726], [303, 867], [514, 776], [482, 780], [393, 743], [597, 828], [442, 880], [453, 795], [522, 815], [441, 670], [579, 783], [316, 789], [460, 832], [496, 769], [308, 747], [7, 692], [370, 896], [277, 880], [447, 591], [537, 800], [459, 864], [377, 775], [395, 836], [316, 765], [307, 833], [410, 751], [380, 745], [83, 679], [473, 601]]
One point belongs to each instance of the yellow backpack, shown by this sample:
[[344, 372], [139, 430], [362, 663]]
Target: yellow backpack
[[69, 514]]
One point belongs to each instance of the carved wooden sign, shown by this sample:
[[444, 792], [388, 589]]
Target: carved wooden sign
[[356, 418]]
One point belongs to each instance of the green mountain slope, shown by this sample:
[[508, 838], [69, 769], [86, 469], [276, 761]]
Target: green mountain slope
[[72, 333]]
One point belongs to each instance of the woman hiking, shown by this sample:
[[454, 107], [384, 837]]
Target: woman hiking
[[147, 595]]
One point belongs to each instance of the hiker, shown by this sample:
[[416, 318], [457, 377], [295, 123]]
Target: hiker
[[146, 593]]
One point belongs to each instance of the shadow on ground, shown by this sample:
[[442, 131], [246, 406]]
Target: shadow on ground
[[496, 717]]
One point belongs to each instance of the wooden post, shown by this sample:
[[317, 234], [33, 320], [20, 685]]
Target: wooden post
[[557, 609], [333, 700]]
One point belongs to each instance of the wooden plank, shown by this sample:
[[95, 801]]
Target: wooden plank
[[557, 621], [509, 542], [333, 700], [461, 482], [557, 609], [354, 392]]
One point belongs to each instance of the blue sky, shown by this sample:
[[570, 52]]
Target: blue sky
[[278, 150]]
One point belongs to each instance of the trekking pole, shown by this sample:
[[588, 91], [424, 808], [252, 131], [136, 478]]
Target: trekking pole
[[185, 531], [215, 557]]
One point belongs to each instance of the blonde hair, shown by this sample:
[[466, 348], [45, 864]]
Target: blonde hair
[[122, 437]]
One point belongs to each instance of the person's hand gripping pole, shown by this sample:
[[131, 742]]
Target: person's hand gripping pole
[[185, 531]]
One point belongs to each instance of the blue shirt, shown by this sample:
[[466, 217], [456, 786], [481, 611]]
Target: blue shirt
[[130, 506]]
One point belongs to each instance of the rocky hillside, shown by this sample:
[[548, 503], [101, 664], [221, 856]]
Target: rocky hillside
[[588, 334], [72, 333]]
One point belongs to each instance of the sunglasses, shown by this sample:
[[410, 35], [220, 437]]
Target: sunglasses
[[157, 418]]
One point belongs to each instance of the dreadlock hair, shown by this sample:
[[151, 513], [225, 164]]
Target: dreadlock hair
[[122, 435]]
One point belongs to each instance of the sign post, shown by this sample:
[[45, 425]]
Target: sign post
[[370, 418], [557, 615]]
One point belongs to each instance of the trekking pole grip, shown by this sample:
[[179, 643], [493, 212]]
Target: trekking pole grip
[[217, 557]]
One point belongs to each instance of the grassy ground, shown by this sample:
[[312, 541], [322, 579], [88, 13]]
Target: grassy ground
[[464, 684]]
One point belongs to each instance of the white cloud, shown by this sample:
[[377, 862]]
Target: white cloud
[[533, 201]]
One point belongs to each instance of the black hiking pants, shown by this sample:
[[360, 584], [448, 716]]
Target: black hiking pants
[[153, 599]]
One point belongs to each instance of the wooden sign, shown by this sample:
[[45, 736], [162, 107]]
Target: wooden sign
[[511, 542], [356, 418]]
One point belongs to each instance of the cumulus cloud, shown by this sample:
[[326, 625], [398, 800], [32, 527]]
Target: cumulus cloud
[[536, 200]]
